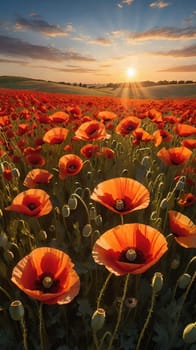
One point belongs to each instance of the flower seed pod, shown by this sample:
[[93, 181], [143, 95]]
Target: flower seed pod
[[8, 256], [189, 333], [72, 202], [66, 211], [87, 230], [92, 213], [16, 310], [184, 280], [98, 319], [99, 220], [157, 282]]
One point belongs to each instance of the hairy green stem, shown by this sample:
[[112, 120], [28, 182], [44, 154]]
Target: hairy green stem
[[147, 320], [119, 312]]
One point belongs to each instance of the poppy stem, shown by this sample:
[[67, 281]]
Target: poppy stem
[[42, 328], [24, 333], [6, 293], [154, 294], [84, 205], [102, 290], [181, 305], [122, 219], [119, 312]]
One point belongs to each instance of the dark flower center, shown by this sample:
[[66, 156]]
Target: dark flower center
[[132, 255], [72, 167], [47, 284], [31, 206], [119, 204]]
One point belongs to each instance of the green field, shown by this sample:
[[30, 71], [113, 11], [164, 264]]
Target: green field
[[139, 92]]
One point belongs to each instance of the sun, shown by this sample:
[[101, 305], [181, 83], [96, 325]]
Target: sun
[[131, 72]]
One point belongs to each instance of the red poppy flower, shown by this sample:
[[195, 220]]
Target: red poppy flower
[[33, 202], [55, 136], [92, 130], [174, 156], [60, 117], [107, 152], [183, 228], [189, 143], [141, 135], [185, 129], [89, 150], [36, 177], [35, 159], [129, 248], [161, 136], [106, 116], [127, 125], [69, 165], [47, 275], [155, 116], [121, 195], [186, 200]]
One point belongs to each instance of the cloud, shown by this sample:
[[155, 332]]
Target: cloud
[[188, 51], [100, 41], [4, 60], [169, 33], [36, 24], [159, 4], [124, 2], [69, 69], [18, 48], [187, 68]]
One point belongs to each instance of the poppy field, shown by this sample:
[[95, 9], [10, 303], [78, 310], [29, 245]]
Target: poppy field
[[97, 222]]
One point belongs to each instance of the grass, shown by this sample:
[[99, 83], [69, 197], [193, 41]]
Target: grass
[[136, 91]]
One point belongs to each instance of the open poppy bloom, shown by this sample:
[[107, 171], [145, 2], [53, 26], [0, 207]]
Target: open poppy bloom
[[59, 117], [175, 155], [55, 136], [121, 195], [186, 200], [92, 130], [69, 165], [36, 177], [129, 248], [32, 202], [127, 125], [89, 150], [141, 135], [47, 275], [189, 143], [35, 159], [185, 129], [160, 136], [106, 116], [183, 228]]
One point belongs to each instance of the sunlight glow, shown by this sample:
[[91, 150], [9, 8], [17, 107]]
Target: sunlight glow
[[131, 72]]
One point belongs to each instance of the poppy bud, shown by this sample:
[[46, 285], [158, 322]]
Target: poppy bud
[[146, 162], [92, 213], [131, 303], [124, 172], [15, 172], [66, 211], [189, 333], [89, 175], [179, 186], [16, 310], [157, 282], [175, 263], [184, 280], [99, 220], [42, 235], [98, 319], [87, 230], [72, 202], [148, 175], [164, 203], [8, 255], [78, 191], [153, 215], [3, 240]]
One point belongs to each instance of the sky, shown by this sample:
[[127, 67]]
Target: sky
[[97, 41]]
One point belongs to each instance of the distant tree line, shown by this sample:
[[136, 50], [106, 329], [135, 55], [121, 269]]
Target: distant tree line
[[145, 83]]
